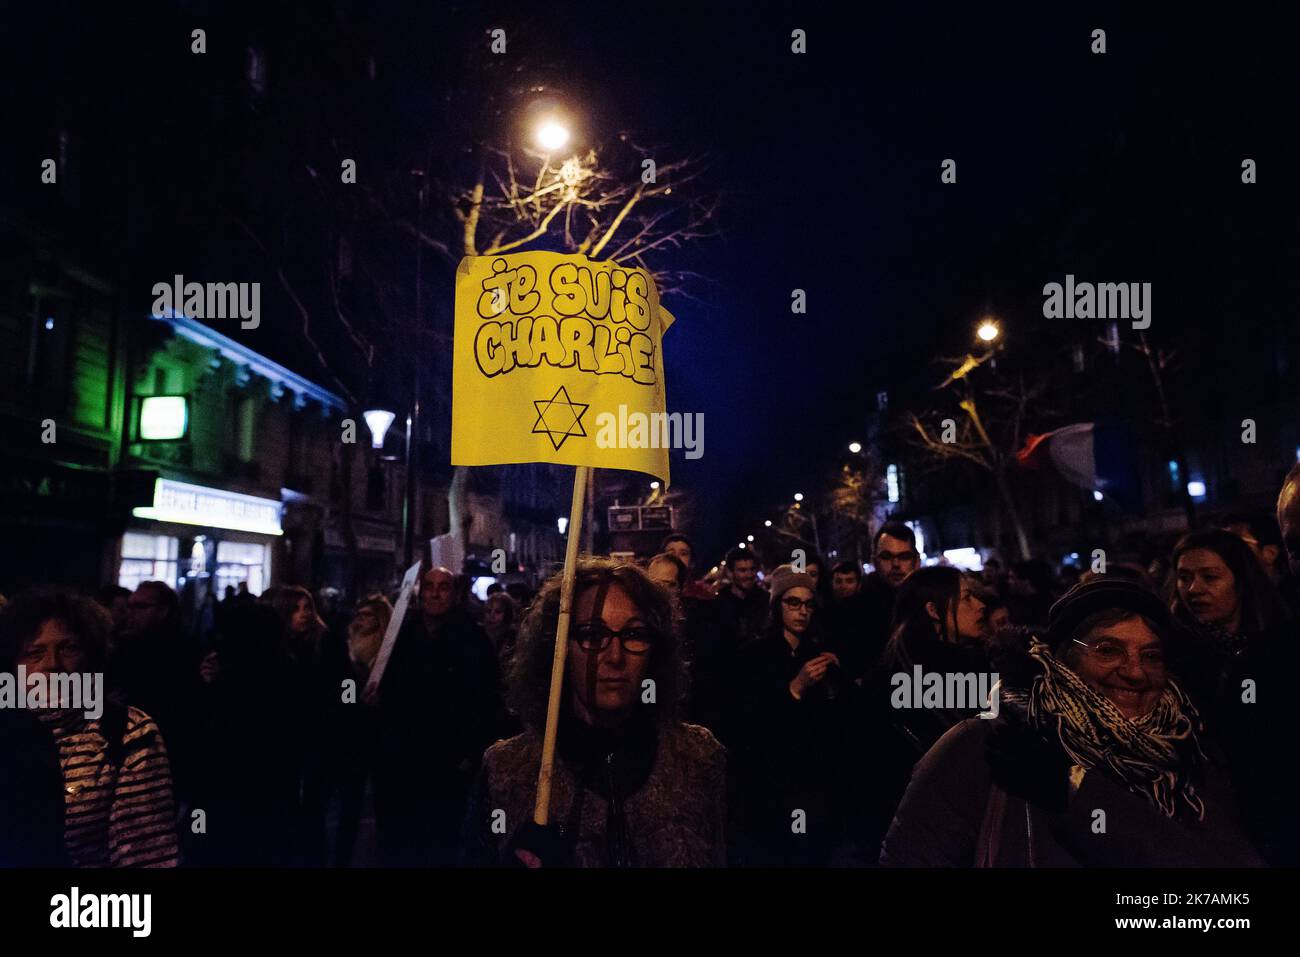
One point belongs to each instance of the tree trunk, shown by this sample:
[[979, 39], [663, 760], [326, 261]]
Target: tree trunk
[[458, 516], [1022, 540]]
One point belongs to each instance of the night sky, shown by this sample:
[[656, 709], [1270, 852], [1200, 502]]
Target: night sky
[[1123, 166]]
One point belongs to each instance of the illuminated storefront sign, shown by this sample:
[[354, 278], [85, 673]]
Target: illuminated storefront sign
[[196, 505]]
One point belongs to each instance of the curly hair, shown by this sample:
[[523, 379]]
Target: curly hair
[[529, 680], [508, 604], [22, 618]]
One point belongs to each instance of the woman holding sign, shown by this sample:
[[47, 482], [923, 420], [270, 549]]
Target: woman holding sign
[[632, 786]]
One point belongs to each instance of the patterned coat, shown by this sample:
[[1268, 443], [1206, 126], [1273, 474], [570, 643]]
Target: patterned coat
[[675, 818]]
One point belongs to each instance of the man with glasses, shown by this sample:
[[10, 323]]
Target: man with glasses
[[155, 668], [895, 557]]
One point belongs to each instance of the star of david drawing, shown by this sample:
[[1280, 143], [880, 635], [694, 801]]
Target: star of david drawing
[[559, 417]]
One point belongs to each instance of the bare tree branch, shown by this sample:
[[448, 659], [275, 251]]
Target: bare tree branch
[[303, 312]]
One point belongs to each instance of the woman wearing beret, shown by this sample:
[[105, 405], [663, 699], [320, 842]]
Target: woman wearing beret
[[1095, 759]]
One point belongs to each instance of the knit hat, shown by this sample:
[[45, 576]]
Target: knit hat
[[1102, 594], [784, 577]]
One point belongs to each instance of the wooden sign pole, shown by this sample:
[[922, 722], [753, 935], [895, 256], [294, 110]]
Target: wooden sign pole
[[542, 807]]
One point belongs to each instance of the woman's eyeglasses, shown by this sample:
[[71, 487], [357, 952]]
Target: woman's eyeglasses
[[635, 639], [794, 604], [1109, 655]]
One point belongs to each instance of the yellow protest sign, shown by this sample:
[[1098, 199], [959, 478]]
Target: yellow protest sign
[[554, 356]]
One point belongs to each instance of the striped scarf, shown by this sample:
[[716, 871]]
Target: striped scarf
[[1152, 754]]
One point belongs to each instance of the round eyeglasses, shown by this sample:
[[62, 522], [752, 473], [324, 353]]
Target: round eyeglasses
[[1109, 655]]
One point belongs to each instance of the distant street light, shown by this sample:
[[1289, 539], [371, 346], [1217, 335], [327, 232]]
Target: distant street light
[[741, 544], [654, 486], [798, 496], [749, 538], [988, 330], [768, 523], [855, 447]]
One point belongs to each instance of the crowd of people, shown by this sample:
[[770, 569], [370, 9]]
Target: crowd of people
[[1128, 714]]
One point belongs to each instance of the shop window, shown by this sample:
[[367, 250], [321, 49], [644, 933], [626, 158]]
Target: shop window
[[148, 558], [241, 562]]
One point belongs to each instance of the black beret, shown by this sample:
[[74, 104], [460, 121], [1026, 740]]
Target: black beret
[[1103, 594]]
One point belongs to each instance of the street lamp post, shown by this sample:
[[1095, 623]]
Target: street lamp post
[[379, 421], [413, 417]]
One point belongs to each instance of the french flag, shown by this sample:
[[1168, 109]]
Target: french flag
[[1094, 455]]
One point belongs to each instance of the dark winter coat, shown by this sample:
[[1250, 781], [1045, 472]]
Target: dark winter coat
[[32, 796], [439, 707], [958, 813], [897, 738], [740, 619], [794, 754], [1259, 725]]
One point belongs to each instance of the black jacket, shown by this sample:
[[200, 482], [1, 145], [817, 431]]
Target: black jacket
[[793, 754], [31, 796], [1258, 727], [897, 738], [439, 708]]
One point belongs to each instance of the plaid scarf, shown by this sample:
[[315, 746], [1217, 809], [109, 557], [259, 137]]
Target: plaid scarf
[[1152, 755]]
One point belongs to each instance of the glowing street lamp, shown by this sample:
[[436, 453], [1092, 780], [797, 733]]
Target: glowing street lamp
[[768, 523], [988, 331], [552, 135], [855, 447], [798, 496], [749, 538], [654, 486], [378, 421]]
